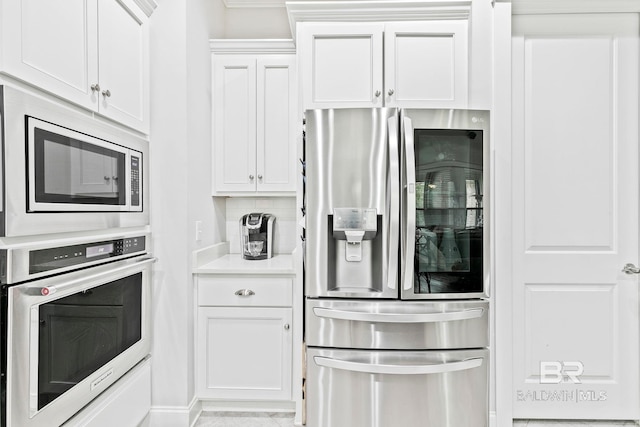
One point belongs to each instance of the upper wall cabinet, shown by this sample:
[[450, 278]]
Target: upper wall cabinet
[[400, 64], [92, 53], [254, 117]]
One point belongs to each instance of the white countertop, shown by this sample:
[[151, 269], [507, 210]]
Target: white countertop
[[214, 261]]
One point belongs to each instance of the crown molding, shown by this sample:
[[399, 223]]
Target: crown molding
[[252, 46], [253, 3], [374, 10], [147, 6], [534, 7]]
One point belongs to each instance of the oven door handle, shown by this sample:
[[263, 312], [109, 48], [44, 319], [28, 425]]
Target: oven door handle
[[370, 368], [359, 316], [50, 290]]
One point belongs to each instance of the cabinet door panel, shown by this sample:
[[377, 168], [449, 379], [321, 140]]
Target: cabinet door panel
[[342, 65], [122, 39], [244, 353], [276, 113], [55, 45], [426, 64], [234, 121]]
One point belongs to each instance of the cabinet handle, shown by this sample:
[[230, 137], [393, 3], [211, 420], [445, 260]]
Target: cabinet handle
[[95, 88], [378, 93], [251, 177], [107, 178], [245, 292], [391, 92], [115, 178], [631, 269], [259, 176], [106, 93], [286, 326]]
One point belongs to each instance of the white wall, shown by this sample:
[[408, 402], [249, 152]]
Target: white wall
[[180, 195], [247, 23]]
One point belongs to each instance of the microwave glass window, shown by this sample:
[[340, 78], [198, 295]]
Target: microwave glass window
[[449, 207], [80, 333], [69, 170]]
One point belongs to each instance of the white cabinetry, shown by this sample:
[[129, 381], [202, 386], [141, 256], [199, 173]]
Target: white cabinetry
[[92, 53], [254, 116], [244, 337], [400, 64]]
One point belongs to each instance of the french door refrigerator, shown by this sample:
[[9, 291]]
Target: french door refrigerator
[[396, 267]]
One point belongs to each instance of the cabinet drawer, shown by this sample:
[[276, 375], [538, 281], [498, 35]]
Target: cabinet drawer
[[266, 291]]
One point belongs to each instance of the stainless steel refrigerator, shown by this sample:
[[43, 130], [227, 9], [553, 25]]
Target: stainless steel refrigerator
[[396, 267]]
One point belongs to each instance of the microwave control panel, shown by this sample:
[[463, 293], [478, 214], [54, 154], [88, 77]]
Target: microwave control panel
[[50, 259], [135, 180]]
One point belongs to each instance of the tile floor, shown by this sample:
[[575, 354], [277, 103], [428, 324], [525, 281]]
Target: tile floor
[[244, 419], [254, 419]]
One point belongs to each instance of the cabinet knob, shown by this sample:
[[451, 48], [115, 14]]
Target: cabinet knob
[[286, 326], [391, 92], [95, 88], [245, 292], [259, 176], [107, 178], [377, 94], [106, 93], [251, 177], [631, 269]]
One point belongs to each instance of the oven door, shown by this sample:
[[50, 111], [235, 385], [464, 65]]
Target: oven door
[[71, 336], [71, 171]]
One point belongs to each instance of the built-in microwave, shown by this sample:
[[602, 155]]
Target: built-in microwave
[[64, 170]]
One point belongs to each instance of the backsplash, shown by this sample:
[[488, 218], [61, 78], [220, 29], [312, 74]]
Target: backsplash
[[284, 209]]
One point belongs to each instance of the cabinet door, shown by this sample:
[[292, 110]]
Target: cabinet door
[[275, 121], [426, 64], [52, 45], [341, 65], [123, 64], [234, 123], [244, 353]]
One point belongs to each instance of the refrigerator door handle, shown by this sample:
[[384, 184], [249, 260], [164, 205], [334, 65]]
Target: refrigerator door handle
[[394, 203], [361, 316], [397, 369], [410, 205]]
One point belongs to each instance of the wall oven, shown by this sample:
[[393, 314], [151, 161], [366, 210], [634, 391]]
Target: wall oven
[[75, 318], [65, 171]]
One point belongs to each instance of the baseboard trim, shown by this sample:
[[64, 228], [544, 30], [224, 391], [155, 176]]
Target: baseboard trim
[[247, 406], [171, 416]]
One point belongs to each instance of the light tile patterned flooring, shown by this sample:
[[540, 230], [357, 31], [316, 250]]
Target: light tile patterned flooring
[[254, 419], [244, 419]]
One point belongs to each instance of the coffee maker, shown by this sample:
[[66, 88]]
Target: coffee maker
[[256, 235]]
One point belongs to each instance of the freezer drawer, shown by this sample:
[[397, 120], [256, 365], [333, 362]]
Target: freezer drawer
[[421, 325], [358, 388]]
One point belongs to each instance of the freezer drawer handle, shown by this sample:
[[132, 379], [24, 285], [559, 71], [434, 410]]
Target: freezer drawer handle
[[473, 313], [397, 369], [244, 292]]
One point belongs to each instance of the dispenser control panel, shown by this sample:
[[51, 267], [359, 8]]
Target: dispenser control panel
[[355, 219]]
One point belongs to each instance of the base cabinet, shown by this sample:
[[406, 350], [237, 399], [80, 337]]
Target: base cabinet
[[244, 339]]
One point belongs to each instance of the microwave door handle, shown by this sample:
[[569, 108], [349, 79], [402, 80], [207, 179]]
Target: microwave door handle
[[410, 205], [394, 203], [370, 368], [360, 316]]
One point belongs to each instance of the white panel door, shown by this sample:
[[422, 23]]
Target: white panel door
[[122, 42], [234, 123], [276, 123], [244, 353], [575, 216], [426, 64], [342, 65], [53, 45]]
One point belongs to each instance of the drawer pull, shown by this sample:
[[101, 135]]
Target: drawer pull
[[245, 292]]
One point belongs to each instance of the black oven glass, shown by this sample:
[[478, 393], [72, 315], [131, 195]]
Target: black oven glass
[[449, 211], [80, 333], [72, 171]]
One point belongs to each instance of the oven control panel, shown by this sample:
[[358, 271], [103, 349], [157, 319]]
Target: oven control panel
[[50, 259]]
